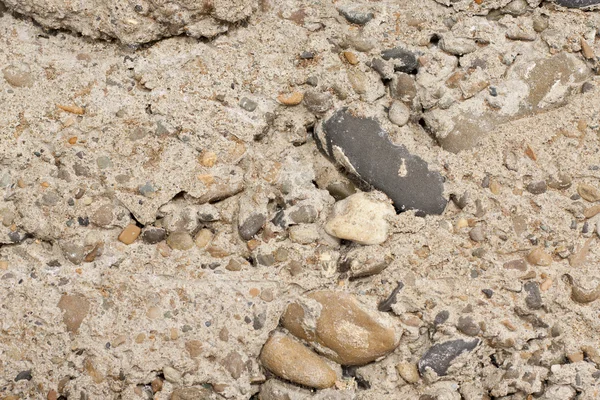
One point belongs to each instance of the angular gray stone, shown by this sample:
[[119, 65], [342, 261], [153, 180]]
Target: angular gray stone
[[363, 148], [533, 300], [355, 15], [440, 356]]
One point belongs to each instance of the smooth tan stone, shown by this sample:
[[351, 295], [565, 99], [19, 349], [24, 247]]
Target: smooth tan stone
[[291, 360], [341, 328], [75, 308], [130, 234]]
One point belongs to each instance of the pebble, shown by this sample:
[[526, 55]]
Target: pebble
[[152, 235], [180, 241], [75, 308], [403, 87], [352, 334], [477, 234], [318, 102], [194, 347], [251, 226], [588, 192], [540, 23], [130, 234], [103, 162], [537, 187], [362, 218], [355, 15], [291, 360], [291, 99], [147, 189], [50, 199], [440, 356], [363, 147], [234, 364], [18, 75], [533, 300], [203, 238], [383, 68], [441, 317], [403, 60], [457, 46], [399, 113], [305, 214], [23, 376], [72, 252], [538, 256], [562, 181], [172, 375], [365, 261], [350, 57], [408, 372], [192, 393], [103, 215], [248, 104], [467, 326]]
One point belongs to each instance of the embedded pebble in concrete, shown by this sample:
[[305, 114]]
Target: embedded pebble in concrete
[[153, 235], [588, 192], [289, 359], [130, 234], [402, 59], [251, 226], [577, 3], [75, 308], [341, 328], [361, 218], [180, 241], [355, 14], [360, 145], [440, 356], [399, 113]]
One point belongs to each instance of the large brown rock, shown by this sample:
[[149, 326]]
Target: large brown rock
[[137, 22], [289, 359], [341, 328]]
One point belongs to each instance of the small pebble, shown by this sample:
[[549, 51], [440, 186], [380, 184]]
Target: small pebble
[[538, 256], [533, 300], [153, 235], [318, 102], [399, 113], [537, 187], [180, 241], [588, 192], [130, 234], [172, 375], [23, 376], [355, 15], [408, 372], [467, 326], [488, 293], [350, 57], [203, 238], [248, 104], [292, 99], [477, 234], [404, 60], [75, 308], [251, 226], [440, 356]]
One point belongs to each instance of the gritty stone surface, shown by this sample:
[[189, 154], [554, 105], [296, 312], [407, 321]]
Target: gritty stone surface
[[137, 23], [440, 356], [99, 134]]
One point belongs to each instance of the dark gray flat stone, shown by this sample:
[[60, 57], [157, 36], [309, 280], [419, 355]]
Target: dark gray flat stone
[[440, 356], [377, 161], [577, 3], [404, 60]]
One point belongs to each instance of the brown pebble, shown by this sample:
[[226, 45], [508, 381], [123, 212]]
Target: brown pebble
[[495, 187], [233, 265], [538, 256], [350, 57], [73, 140], [291, 360], [130, 234], [75, 308], [587, 50], [588, 192], [52, 395], [156, 385], [408, 372], [591, 211], [72, 109], [575, 357], [292, 99], [546, 285], [208, 159]]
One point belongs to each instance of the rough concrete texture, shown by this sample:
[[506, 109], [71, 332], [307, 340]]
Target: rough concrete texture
[[115, 159], [137, 22]]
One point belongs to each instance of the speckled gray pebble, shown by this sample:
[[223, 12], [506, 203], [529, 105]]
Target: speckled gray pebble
[[404, 60], [404, 177], [477, 234], [318, 102], [441, 317], [533, 300], [251, 226], [304, 215], [440, 356]]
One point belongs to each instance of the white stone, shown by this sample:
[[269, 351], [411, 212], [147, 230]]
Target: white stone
[[399, 113], [361, 218]]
